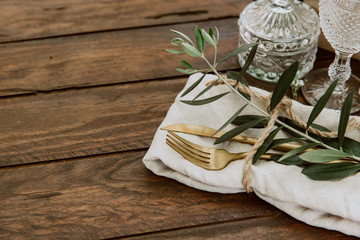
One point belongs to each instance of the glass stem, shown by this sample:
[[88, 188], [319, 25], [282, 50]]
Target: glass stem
[[340, 69]]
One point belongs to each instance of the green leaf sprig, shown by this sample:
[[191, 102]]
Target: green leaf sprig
[[321, 158]]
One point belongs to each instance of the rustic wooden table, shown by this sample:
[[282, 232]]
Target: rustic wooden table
[[83, 87]]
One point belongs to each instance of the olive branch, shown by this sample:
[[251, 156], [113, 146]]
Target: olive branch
[[333, 158]]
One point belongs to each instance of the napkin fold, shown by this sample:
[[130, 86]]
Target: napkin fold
[[332, 205]]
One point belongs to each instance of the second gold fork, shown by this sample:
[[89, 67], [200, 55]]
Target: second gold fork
[[205, 157]]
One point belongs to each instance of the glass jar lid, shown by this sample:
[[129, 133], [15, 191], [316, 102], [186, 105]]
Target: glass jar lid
[[280, 20]]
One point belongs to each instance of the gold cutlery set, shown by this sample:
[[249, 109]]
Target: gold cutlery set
[[210, 158]]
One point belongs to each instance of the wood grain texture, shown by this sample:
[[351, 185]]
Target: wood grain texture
[[96, 83], [104, 197], [27, 19], [84, 122], [76, 123], [102, 58], [277, 227]]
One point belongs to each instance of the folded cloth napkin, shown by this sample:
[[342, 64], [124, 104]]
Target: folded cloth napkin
[[329, 204]]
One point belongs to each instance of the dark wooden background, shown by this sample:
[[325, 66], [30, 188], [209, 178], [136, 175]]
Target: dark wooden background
[[83, 87]]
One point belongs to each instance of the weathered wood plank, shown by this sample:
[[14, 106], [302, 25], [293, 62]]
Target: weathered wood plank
[[104, 197], [102, 58], [91, 121], [276, 227], [83, 122], [27, 19]]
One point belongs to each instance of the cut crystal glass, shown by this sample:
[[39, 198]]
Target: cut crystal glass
[[288, 31], [340, 22]]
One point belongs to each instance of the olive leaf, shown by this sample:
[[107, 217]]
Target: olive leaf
[[236, 76], [208, 38], [217, 35], [319, 127], [185, 71], [211, 33], [193, 86], [215, 39], [237, 51], [206, 89], [177, 41], [187, 65], [236, 131], [298, 150], [247, 63], [351, 146], [183, 35], [174, 51], [323, 155], [293, 160], [344, 117], [190, 50], [331, 171], [283, 84], [262, 149], [230, 119], [319, 106], [246, 118], [296, 126], [280, 141], [200, 40], [204, 101]]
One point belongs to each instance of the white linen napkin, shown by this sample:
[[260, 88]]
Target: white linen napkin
[[329, 204]]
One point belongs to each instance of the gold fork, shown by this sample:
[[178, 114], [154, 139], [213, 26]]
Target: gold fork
[[205, 157]]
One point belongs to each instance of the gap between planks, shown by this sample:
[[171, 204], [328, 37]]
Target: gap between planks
[[70, 159], [115, 30], [154, 233]]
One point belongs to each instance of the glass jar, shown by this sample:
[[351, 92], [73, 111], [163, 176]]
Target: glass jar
[[287, 30]]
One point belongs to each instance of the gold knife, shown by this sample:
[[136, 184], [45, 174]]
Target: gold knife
[[208, 132]]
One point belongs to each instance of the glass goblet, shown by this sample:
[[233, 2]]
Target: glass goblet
[[340, 23]]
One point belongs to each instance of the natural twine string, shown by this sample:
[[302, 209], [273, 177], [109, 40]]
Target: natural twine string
[[253, 150], [285, 106]]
